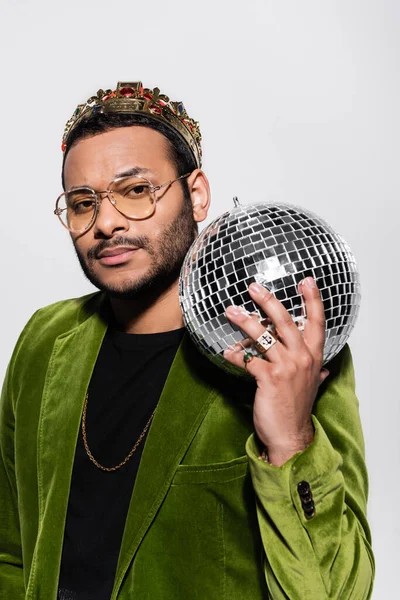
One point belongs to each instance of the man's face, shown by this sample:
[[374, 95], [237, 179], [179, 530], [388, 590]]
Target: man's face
[[119, 255]]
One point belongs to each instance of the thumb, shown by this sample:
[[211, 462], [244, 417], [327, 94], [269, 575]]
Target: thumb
[[323, 375]]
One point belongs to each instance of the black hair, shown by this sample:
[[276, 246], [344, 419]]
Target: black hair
[[178, 150]]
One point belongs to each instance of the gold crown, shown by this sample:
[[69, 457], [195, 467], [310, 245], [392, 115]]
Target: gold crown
[[133, 98]]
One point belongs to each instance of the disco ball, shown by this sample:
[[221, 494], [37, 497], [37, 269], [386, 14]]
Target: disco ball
[[276, 245]]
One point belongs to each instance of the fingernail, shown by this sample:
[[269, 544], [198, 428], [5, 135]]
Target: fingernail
[[233, 348], [310, 282], [236, 311], [256, 288], [324, 374]]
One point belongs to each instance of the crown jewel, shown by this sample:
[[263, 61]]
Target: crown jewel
[[134, 98]]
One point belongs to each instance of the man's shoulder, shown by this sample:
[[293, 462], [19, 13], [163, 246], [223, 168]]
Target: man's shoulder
[[53, 320], [67, 314], [36, 341]]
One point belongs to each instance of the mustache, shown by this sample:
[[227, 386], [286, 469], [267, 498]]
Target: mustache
[[140, 241]]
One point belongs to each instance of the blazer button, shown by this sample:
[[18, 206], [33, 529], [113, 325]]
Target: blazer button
[[308, 505], [309, 514], [303, 488], [306, 498]]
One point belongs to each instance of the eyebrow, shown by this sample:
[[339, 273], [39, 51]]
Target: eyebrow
[[133, 171], [129, 173]]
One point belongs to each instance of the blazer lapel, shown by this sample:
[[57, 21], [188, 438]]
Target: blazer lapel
[[68, 375], [183, 405]]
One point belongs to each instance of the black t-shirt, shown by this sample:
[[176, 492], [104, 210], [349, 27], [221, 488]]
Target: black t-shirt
[[126, 384]]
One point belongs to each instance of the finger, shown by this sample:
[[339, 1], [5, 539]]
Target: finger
[[242, 345], [265, 322], [314, 330], [250, 326], [323, 375], [236, 350], [282, 320], [255, 367]]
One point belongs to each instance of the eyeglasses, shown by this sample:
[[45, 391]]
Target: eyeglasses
[[133, 197]]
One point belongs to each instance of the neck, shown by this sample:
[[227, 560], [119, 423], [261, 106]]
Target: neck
[[149, 315]]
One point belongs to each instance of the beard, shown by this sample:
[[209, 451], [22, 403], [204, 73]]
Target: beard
[[167, 255]]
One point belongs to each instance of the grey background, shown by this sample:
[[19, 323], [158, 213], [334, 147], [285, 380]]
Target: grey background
[[298, 102]]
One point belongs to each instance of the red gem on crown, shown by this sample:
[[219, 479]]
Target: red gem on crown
[[128, 92], [156, 109], [108, 96]]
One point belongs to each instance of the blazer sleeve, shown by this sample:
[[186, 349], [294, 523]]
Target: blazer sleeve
[[11, 568], [328, 555], [12, 583]]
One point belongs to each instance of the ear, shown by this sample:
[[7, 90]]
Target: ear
[[199, 189]]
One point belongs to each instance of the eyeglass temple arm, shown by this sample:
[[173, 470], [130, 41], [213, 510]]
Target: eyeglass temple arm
[[159, 187]]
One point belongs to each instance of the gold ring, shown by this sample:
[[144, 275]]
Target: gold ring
[[264, 342], [247, 357]]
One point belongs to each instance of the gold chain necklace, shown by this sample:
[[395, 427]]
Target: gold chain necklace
[[127, 457]]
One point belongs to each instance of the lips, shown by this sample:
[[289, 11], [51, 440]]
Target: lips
[[116, 256]]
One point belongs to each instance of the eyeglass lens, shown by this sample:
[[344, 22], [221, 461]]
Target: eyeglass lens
[[132, 196]]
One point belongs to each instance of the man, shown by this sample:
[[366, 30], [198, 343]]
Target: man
[[131, 466]]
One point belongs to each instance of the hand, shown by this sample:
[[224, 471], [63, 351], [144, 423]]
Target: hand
[[290, 373]]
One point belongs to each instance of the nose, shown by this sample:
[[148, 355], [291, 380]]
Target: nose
[[109, 220]]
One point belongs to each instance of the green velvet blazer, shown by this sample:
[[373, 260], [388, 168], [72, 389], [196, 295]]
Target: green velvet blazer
[[207, 520]]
